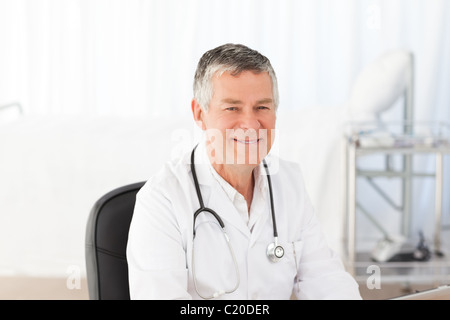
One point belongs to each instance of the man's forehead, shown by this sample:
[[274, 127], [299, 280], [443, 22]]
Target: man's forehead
[[234, 101], [248, 79]]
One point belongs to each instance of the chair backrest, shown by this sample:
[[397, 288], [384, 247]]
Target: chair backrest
[[106, 243]]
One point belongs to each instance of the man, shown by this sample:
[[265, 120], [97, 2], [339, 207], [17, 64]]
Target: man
[[227, 220]]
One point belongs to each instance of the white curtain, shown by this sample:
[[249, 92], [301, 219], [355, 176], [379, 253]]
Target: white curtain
[[137, 57]]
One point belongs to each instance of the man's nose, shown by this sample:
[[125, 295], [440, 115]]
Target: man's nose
[[249, 121]]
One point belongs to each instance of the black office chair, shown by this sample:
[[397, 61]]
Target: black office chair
[[106, 243]]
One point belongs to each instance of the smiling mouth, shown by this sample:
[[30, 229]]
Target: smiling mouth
[[248, 141]]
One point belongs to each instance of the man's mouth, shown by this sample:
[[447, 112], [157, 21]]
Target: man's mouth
[[247, 141]]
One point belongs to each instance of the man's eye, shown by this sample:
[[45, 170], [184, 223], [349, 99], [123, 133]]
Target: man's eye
[[262, 107], [231, 108]]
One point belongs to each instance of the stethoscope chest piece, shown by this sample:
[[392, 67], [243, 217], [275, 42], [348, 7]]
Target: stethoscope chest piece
[[275, 252]]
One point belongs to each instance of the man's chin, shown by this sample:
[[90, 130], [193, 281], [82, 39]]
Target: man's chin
[[235, 153], [247, 158]]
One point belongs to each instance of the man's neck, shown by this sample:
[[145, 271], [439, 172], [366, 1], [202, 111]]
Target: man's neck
[[240, 177]]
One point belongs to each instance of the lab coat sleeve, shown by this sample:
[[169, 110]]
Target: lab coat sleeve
[[155, 253], [321, 273]]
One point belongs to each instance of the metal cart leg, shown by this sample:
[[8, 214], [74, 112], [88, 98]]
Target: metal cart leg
[[351, 206], [438, 204], [406, 195], [408, 117], [344, 194]]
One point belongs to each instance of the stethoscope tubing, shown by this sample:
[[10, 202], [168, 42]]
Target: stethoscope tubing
[[203, 208], [222, 225]]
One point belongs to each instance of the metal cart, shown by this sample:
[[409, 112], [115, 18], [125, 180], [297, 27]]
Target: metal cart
[[406, 146], [404, 139]]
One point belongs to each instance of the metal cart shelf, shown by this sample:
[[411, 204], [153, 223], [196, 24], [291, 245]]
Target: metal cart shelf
[[360, 142], [436, 271]]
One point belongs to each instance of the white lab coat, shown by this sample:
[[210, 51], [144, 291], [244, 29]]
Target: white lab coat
[[159, 250]]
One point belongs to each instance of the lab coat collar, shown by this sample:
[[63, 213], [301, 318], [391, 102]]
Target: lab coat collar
[[232, 193]]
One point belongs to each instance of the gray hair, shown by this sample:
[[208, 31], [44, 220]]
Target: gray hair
[[233, 58]]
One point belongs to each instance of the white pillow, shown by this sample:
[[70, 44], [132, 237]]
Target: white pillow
[[379, 85]]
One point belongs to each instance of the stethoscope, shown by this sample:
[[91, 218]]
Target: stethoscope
[[274, 251]]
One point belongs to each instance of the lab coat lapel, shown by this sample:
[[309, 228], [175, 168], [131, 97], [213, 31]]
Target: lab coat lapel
[[221, 203], [261, 224]]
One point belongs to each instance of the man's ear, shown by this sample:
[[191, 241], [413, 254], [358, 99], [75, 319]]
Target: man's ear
[[198, 112]]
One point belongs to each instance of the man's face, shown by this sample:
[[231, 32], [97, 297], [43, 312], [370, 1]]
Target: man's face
[[240, 122]]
